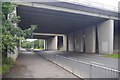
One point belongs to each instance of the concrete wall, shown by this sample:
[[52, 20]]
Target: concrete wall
[[51, 43], [14, 55], [71, 42], [105, 36], [79, 41], [90, 39]]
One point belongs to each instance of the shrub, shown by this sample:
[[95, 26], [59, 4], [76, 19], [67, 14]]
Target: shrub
[[7, 63]]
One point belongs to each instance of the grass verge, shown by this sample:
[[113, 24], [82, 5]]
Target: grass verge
[[117, 56], [7, 63]]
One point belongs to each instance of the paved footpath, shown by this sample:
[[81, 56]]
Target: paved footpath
[[31, 65]]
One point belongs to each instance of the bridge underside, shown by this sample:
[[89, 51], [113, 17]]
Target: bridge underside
[[51, 21], [80, 33]]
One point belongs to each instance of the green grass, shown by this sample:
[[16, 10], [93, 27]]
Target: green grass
[[6, 68], [39, 48], [7, 63], [112, 56]]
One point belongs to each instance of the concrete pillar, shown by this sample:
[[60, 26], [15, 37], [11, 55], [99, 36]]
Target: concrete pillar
[[105, 36], [64, 42], [116, 41], [71, 41], [79, 41], [44, 45], [52, 43], [90, 37], [116, 38]]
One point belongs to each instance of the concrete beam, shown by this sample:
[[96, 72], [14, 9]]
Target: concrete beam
[[66, 10], [90, 39], [105, 36], [47, 34]]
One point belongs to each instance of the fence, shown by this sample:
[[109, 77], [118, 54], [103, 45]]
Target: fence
[[82, 69]]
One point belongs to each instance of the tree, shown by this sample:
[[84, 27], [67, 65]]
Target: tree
[[37, 44], [11, 33]]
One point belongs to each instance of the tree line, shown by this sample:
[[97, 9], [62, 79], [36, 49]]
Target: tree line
[[37, 44]]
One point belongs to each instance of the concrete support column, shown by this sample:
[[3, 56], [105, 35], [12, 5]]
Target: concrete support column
[[90, 39], [52, 43], [105, 36], [44, 45], [71, 42], [79, 41], [64, 42], [116, 41], [116, 38]]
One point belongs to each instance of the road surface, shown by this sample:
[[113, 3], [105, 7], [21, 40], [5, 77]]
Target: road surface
[[101, 66]]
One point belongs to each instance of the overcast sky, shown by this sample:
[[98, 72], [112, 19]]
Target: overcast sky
[[103, 4], [108, 2]]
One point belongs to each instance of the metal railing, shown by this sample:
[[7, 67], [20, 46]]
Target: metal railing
[[82, 69], [92, 4]]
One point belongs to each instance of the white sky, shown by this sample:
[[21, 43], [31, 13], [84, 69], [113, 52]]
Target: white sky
[[102, 4], [31, 40], [108, 2]]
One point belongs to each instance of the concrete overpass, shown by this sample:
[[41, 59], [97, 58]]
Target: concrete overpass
[[83, 28]]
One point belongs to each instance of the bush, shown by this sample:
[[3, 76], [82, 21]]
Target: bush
[[7, 63], [5, 68]]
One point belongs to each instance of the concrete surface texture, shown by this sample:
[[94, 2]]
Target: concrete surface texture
[[30, 65], [105, 36], [90, 34], [52, 43], [79, 41], [67, 18], [64, 42], [71, 41]]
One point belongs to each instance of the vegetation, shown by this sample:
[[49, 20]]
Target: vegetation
[[37, 44], [8, 63], [112, 56], [11, 33]]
